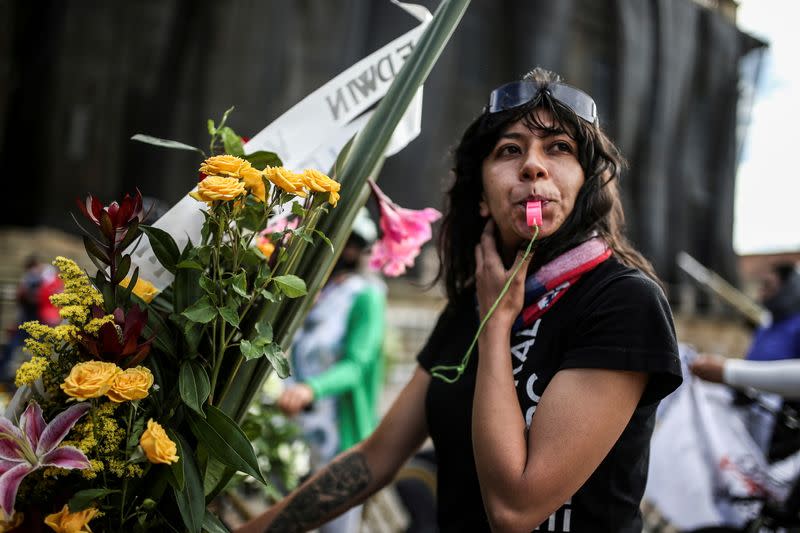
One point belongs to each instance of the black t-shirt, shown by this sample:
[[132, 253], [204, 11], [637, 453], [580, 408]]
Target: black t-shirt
[[614, 317]]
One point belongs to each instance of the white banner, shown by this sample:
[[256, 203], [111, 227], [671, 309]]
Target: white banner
[[310, 134], [707, 464]]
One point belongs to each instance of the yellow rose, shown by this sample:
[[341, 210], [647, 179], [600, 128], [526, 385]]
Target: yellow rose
[[224, 165], [218, 188], [66, 522], [319, 182], [286, 180], [156, 445], [132, 384], [266, 247], [91, 379], [10, 524], [254, 183], [143, 288]]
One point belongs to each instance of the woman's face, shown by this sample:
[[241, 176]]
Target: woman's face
[[530, 165]]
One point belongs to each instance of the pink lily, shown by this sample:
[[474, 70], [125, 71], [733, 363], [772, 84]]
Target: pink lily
[[404, 233], [33, 445]]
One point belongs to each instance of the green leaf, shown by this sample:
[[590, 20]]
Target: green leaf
[[212, 129], [203, 311], [164, 247], [290, 285], [190, 264], [233, 143], [263, 159], [216, 478], [230, 314], [208, 284], [204, 253], [264, 330], [226, 441], [250, 350], [193, 334], [239, 284], [268, 296], [178, 470], [156, 325], [165, 143], [94, 250], [186, 287], [135, 434], [127, 291], [212, 524], [298, 210], [191, 501], [325, 239], [194, 385], [84, 498], [122, 269], [277, 359]]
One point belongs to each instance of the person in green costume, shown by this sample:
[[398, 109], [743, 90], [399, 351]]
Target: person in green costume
[[337, 362]]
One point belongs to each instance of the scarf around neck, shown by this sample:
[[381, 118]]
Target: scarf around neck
[[544, 288]]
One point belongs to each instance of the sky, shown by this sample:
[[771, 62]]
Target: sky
[[767, 212]]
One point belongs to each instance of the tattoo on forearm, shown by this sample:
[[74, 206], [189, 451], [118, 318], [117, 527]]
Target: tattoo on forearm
[[338, 483]]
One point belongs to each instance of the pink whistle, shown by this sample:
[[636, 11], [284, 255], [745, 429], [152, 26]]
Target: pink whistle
[[534, 212]]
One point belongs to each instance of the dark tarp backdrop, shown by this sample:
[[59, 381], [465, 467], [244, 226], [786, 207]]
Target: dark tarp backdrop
[[78, 78]]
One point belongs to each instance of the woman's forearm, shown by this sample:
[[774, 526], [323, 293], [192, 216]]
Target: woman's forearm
[[499, 432], [345, 482]]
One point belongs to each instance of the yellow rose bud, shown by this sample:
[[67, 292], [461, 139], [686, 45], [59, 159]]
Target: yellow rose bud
[[224, 165], [91, 379], [132, 384], [66, 522], [254, 183], [156, 445], [266, 247], [143, 288], [319, 182], [286, 180]]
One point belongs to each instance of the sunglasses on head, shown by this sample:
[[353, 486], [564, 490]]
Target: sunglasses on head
[[518, 93]]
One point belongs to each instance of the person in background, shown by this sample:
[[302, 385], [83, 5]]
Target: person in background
[[780, 377], [777, 342], [337, 361], [38, 282], [780, 294]]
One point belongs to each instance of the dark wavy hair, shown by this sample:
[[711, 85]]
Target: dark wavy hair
[[597, 210]]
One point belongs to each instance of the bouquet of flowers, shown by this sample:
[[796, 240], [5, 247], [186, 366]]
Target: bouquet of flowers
[[98, 431]]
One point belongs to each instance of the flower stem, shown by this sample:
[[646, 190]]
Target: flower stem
[[438, 371]]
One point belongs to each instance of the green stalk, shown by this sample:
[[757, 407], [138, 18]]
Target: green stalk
[[439, 370]]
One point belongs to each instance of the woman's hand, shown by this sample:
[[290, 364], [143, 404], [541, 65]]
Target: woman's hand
[[490, 277], [708, 367], [295, 399]]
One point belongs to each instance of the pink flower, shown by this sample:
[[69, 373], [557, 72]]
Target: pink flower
[[404, 233], [33, 445], [280, 226]]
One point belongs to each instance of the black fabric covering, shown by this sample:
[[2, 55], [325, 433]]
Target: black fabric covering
[[77, 79]]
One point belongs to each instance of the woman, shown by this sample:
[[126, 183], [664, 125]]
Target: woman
[[551, 430]]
